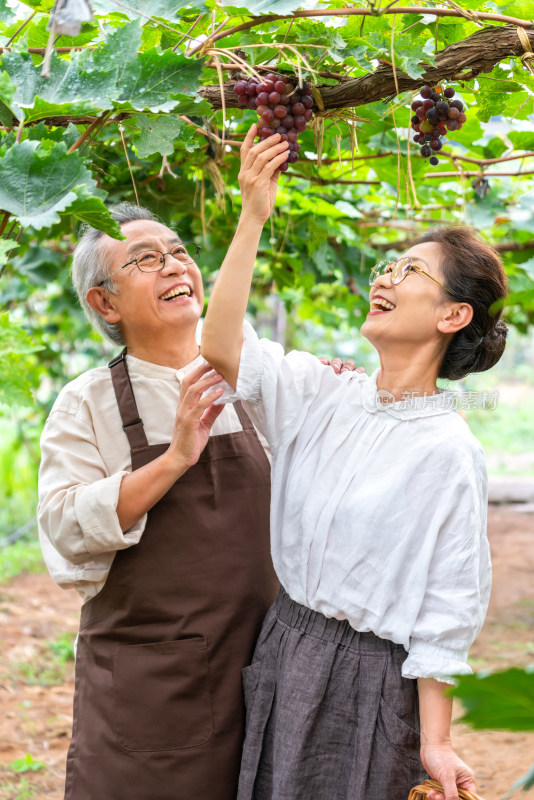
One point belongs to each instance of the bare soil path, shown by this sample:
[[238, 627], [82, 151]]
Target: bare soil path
[[37, 621]]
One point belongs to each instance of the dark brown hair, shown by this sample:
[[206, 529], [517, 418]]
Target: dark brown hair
[[474, 272]]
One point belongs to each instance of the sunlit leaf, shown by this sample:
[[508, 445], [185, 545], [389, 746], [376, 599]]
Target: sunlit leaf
[[501, 701]]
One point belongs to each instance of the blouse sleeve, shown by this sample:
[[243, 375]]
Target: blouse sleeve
[[458, 583], [77, 496], [279, 389]]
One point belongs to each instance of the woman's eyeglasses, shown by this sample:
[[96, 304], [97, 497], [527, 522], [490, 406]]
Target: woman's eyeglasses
[[399, 270]]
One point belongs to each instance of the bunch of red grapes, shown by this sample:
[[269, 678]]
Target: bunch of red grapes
[[434, 116], [282, 106]]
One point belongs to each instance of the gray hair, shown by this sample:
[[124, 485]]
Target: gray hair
[[91, 265]]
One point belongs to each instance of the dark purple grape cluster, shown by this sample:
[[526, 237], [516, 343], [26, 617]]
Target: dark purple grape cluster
[[282, 106], [435, 114]]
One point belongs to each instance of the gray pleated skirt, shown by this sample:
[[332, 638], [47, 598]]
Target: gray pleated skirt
[[329, 715]]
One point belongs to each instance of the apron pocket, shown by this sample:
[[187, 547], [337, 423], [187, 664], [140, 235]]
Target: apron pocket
[[162, 695]]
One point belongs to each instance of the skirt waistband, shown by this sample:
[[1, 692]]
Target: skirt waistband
[[329, 629]]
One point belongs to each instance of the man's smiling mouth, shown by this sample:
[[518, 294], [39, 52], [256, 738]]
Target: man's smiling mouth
[[178, 291]]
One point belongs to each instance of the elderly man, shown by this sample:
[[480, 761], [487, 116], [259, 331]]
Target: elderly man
[[161, 527], [154, 506]]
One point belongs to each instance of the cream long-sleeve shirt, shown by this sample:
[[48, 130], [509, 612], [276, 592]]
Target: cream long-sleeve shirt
[[378, 512], [85, 454]]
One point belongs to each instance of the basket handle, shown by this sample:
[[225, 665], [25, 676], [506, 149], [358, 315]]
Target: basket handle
[[421, 791]]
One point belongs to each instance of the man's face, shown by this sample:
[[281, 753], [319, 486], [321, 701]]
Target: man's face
[[140, 302]]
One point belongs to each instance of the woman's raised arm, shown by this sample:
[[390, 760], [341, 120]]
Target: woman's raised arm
[[222, 335]]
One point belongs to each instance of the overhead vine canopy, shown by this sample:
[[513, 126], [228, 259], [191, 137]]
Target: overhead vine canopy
[[141, 106]]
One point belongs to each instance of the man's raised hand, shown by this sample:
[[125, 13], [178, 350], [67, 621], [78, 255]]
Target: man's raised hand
[[260, 170]]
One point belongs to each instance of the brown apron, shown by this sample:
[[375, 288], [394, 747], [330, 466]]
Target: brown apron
[[158, 707]]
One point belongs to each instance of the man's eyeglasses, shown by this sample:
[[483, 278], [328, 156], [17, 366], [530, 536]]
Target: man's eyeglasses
[[399, 270], [154, 260]]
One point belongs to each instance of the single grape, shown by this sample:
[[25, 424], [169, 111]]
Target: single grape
[[432, 116], [307, 101], [275, 123], [293, 157], [252, 103], [240, 87], [297, 109], [439, 145], [436, 131], [435, 96], [453, 113], [288, 121], [268, 131], [292, 135], [416, 104], [295, 146], [289, 88], [242, 99], [300, 123], [417, 138], [284, 167], [283, 136], [414, 120], [284, 99], [434, 161], [433, 144], [426, 92], [268, 115], [428, 104], [426, 151], [452, 125], [251, 89], [271, 77], [421, 112], [281, 129], [280, 112], [263, 99], [442, 107], [274, 98], [279, 87], [307, 114], [261, 109], [457, 104], [449, 92], [426, 126], [267, 86], [308, 91]]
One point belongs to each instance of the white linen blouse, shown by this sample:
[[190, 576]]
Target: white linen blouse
[[378, 512]]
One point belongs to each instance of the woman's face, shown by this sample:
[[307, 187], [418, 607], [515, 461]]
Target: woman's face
[[418, 303]]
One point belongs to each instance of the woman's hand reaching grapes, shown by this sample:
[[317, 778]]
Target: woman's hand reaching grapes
[[258, 177]]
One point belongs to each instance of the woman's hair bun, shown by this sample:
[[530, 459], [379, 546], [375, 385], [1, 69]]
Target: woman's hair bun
[[474, 273]]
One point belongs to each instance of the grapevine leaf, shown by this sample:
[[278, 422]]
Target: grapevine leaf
[[6, 13], [7, 93], [522, 140], [6, 246], [502, 701], [68, 91], [15, 344], [164, 9], [153, 79], [159, 135], [257, 7], [91, 209], [117, 51], [36, 188]]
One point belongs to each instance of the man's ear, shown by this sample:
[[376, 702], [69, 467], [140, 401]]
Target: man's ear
[[457, 316], [102, 302]]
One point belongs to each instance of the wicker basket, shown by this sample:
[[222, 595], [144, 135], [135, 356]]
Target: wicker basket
[[421, 792]]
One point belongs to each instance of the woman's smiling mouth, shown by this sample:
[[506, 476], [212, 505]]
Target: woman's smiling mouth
[[379, 305]]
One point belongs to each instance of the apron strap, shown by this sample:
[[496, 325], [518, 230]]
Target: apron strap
[[132, 424], [244, 418]]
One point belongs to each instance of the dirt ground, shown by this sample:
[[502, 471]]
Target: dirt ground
[[37, 621]]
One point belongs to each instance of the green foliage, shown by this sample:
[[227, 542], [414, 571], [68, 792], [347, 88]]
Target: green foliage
[[27, 764], [63, 648], [500, 701], [20, 558], [15, 345]]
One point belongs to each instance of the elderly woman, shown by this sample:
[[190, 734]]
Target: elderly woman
[[378, 520]]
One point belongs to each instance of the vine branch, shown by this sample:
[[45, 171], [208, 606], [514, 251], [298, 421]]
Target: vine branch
[[479, 52]]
